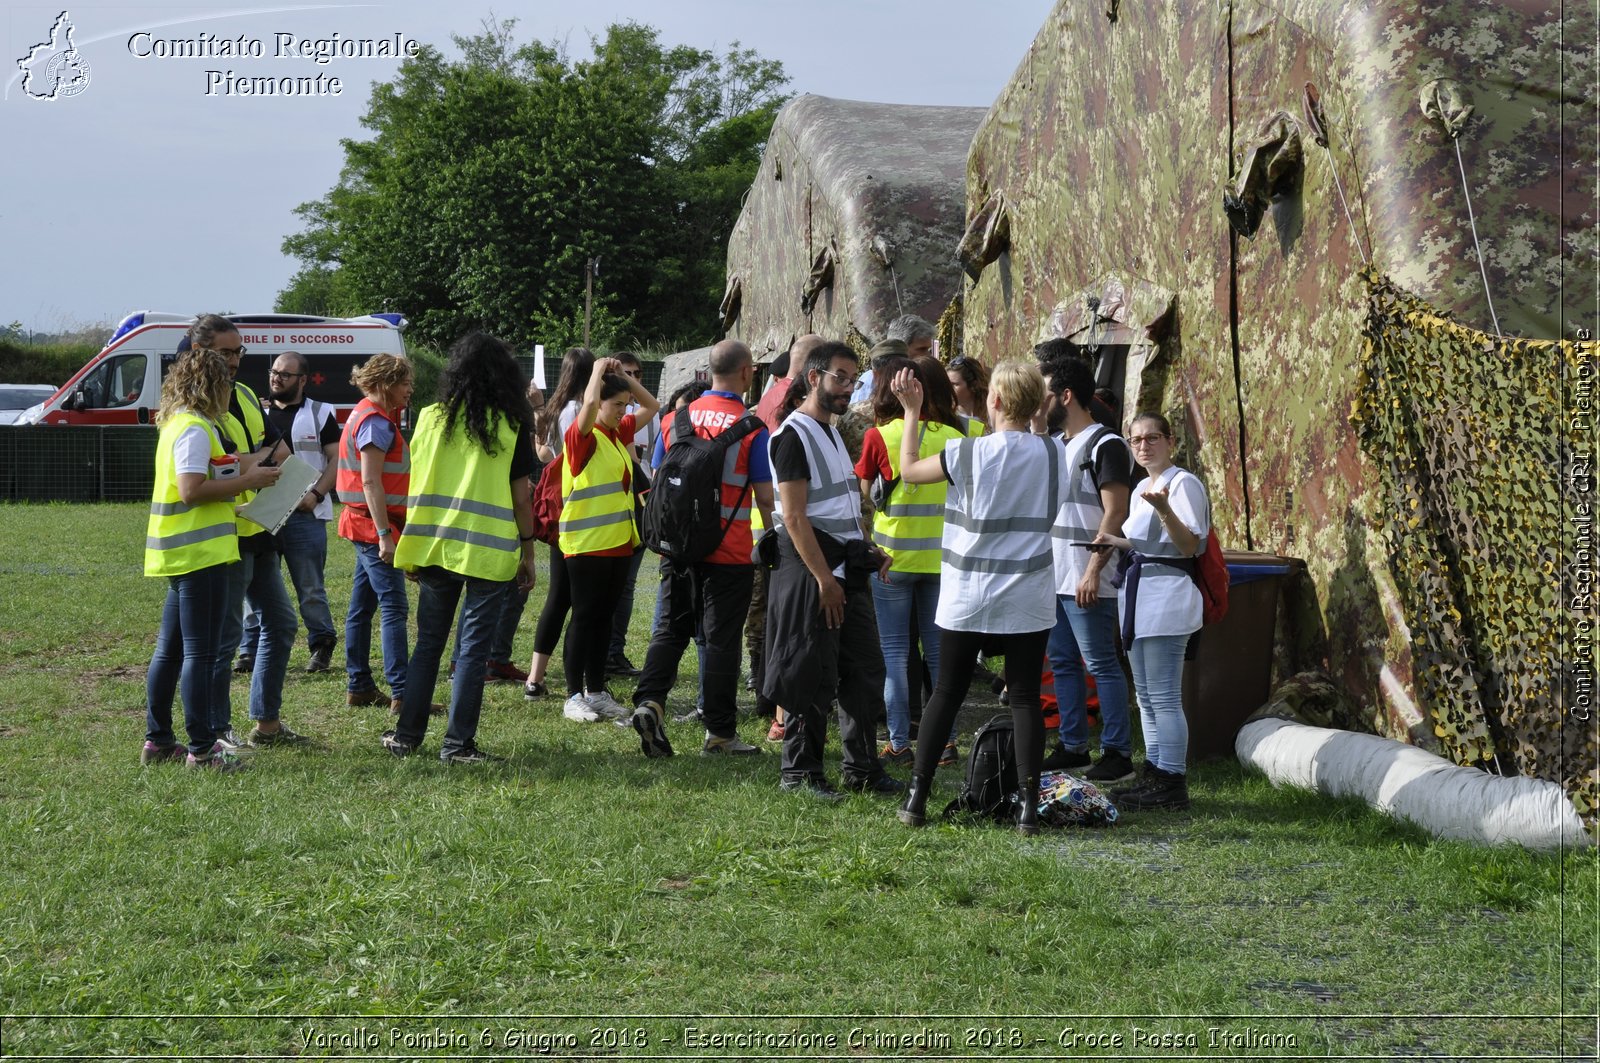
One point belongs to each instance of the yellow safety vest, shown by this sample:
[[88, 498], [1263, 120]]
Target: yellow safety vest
[[180, 537], [910, 526], [596, 508], [975, 427], [247, 437], [459, 514]]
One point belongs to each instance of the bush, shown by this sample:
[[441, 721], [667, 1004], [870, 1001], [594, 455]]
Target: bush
[[45, 363]]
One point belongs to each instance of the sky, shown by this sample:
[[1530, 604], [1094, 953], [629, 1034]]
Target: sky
[[145, 184]]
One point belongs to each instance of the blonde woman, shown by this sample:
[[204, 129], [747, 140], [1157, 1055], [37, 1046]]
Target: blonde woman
[[190, 539]]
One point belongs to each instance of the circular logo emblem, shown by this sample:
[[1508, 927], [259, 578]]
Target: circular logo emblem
[[67, 74]]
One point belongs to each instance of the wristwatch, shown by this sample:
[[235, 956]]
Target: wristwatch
[[385, 531]]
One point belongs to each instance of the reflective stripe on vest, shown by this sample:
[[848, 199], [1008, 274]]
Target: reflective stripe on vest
[[597, 507], [833, 494], [910, 526], [247, 438], [305, 435], [460, 517], [181, 537], [1002, 545], [1153, 540], [356, 523]]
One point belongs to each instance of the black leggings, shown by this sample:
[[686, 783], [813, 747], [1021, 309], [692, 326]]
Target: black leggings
[[557, 602], [596, 585], [958, 659]]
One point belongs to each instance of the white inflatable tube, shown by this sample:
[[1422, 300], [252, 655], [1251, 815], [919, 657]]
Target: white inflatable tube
[[1448, 800]]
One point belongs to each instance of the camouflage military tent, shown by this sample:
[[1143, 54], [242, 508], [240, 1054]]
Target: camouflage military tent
[[851, 222], [1264, 218], [683, 368]]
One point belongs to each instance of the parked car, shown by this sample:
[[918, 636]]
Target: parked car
[[15, 398]]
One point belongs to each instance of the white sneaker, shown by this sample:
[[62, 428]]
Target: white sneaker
[[577, 707], [232, 744], [603, 703]]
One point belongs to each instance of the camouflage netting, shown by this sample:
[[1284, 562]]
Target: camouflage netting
[[1468, 436]]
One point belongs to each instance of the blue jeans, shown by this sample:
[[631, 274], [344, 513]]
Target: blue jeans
[[894, 602], [1089, 635], [376, 585], [1158, 677], [438, 592], [304, 542], [185, 658], [255, 578], [624, 614], [505, 628]]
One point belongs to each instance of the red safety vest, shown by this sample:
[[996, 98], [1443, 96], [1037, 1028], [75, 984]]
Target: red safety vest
[[711, 415], [355, 521]]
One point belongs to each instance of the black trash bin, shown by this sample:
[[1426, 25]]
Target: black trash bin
[[1230, 676]]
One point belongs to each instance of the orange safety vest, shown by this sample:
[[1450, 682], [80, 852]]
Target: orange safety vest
[[355, 522]]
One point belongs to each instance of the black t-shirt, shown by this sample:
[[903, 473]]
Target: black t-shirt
[[523, 459], [283, 421], [788, 453], [1113, 464]]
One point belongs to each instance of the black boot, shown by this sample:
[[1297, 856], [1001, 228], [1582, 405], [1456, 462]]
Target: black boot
[[914, 813], [1167, 790], [1028, 814]]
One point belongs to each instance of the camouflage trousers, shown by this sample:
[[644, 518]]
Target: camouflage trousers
[[755, 637]]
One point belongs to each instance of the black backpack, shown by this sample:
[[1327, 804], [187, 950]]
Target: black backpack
[[991, 791], [683, 512]]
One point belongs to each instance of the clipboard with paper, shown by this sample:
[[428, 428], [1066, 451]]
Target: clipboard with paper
[[273, 504]]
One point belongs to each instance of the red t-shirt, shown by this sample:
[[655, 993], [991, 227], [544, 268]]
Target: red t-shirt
[[767, 408], [874, 460], [577, 448], [712, 414]]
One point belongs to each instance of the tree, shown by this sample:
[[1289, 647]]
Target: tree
[[491, 179]]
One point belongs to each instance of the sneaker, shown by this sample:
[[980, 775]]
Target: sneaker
[[231, 742], [358, 698], [775, 732], [396, 745], [577, 708], [533, 690], [606, 706], [1143, 779], [219, 759], [951, 755], [283, 736], [891, 755], [154, 754], [321, 659], [1063, 759], [618, 664], [470, 755], [652, 736], [882, 785], [1113, 767], [694, 715], [244, 665], [812, 786], [727, 747], [503, 672], [1165, 790]]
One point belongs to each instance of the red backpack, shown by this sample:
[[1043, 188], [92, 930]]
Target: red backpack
[[1211, 577], [547, 503]]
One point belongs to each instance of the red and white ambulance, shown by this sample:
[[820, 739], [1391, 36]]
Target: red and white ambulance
[[122, 384]]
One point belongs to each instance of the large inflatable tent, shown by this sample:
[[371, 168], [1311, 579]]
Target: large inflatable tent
[[1350, 249], [852, 220]]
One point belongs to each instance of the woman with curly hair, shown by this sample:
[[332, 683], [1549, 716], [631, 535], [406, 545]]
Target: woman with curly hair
[[468, 530], [190, 539]]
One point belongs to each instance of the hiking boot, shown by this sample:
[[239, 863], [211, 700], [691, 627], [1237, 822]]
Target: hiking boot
[[283, 736], [775, 732], [503, 672], [606, 706], [244, 664], [321, 659], [1113, 767], [890, 755], [470, 755], [914, 813], [881, 785], [154, 754], [1144, 777], [652, 736], [618, 664], [1166, 790], [219, 759], [1063, 759], [577, 708], [815, 786], [951, 755], [396, 745], [358, 698], [726, 747], [533, 690], [694, 715]]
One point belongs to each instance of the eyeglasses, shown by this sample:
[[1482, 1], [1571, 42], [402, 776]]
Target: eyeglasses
[[842, 380], [228, 352], [281, 375], [1141, 441], [637, 374]]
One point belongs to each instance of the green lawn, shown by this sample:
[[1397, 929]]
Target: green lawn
[[336, 901]]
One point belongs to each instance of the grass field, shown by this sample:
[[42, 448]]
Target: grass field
[[580, 900]]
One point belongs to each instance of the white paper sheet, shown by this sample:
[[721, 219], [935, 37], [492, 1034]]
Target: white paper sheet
[[272, 505]]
